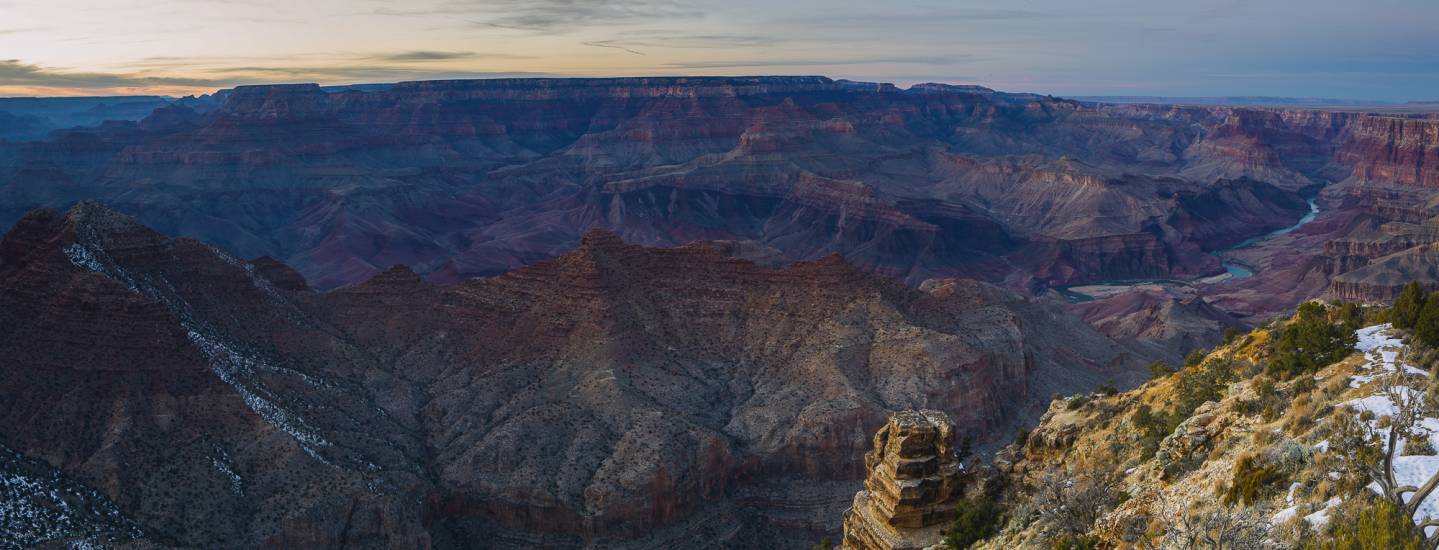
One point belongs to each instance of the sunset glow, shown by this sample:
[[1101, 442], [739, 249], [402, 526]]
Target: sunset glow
[[77, 47]]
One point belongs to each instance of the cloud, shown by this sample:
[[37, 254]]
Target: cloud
[[825, 62], [669, 39], [351, 74], [553, 15], [15, 73], [424, 55], [608, 44], [942, 17]]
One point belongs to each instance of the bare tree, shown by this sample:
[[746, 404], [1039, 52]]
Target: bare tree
[[1222, 528], [1072, 501]]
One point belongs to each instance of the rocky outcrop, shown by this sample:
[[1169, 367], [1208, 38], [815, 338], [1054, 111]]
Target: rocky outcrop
[[1381, 280], [912, 487]]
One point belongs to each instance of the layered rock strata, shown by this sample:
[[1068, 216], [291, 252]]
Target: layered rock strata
[[912, 487]]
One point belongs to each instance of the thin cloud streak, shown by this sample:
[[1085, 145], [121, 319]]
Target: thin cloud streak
[[548, 16], [614, 46]]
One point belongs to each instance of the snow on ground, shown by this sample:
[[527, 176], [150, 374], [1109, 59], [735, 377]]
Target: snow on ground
[[38, 504], [1284, 515], [1318, 519], [1382, 349], [233, 364]]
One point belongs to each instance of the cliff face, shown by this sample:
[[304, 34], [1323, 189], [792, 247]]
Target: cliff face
[[466, 178], [913, 484], [1394, 150], [618, 394]]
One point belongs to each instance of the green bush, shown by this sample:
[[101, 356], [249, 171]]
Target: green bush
[[1075, 542], [1375, 524], [1350, 315], [1152, 428], [1252, 478], [1202, 382], [1195, 358], [1426, 328], [978, 519], [1405, 312], [1417, 444], [1230, 335], [1311, 342], [1160, 369]]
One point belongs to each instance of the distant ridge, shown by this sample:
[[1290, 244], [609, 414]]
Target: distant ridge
[[1232, 100]]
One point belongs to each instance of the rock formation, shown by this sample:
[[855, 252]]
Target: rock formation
[[617, 395], [912, 487]]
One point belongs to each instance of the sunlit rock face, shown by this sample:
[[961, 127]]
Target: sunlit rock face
[[913, 484]]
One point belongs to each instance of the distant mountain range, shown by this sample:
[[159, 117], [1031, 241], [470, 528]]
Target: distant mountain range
[[26, 118], [1230, 100]]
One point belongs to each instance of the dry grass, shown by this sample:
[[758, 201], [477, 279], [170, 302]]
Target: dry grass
[[1300, 417]]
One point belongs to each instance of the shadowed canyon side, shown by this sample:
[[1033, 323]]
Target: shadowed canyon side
[[617, 394]]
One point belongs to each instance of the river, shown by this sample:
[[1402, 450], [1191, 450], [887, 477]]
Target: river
[[1236, 270]]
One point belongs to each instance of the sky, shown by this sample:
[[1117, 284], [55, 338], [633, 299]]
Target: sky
[[1384, 50]]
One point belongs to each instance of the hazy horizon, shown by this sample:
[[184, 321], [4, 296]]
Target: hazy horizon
[[1377, 51]]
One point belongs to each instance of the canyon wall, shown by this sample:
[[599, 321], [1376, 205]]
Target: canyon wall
[[475, 178]]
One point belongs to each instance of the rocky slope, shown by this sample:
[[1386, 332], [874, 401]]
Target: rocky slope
[[1261, 463], [617, 395]]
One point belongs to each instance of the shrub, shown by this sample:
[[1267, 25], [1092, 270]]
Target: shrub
[[1152, 428], [1230, 335], [978, 518], [1075, 542], [1202, 382], [1374, 524], [1407, 308], [1160, 369], [1418, 444], [1350, 315], [1252, 478], [1195, 358], [1301, 415], [1426, 327], [1311, 342]]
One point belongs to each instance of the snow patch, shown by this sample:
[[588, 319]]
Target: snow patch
[[38, 504]]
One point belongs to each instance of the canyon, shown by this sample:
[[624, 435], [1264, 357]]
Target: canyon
[[457, 179], [632, 312], [617, 395]]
